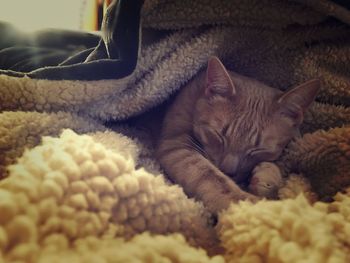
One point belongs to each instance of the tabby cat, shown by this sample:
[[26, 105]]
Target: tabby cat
[[221, 125]]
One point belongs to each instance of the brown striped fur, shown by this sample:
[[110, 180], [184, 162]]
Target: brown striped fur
[[221, 125]]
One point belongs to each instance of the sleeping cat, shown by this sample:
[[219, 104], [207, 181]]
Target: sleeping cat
[[221, 125]]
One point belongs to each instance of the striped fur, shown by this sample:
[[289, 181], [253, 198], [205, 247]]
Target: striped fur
[[212, 138]]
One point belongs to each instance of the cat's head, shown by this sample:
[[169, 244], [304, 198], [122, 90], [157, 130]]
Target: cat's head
[[241, 122]]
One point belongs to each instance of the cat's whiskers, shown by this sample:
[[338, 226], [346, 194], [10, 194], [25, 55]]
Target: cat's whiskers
[[195, 145]]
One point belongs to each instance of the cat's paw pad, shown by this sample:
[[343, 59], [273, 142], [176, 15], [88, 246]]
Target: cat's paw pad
[[266, 180]]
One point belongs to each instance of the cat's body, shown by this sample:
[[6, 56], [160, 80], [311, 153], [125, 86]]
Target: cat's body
[[220, 126]]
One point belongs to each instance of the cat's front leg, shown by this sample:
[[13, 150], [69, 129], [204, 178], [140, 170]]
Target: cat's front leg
[[199, 177], [266, 180]]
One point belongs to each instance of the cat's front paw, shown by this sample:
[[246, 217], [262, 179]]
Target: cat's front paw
[[217, 205], [266, 180], [251, 197]]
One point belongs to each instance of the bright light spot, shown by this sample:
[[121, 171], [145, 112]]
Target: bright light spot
[[30, 15]]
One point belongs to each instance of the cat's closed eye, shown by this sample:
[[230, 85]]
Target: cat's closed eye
[[209, 136], [256, 151], [261, 154]]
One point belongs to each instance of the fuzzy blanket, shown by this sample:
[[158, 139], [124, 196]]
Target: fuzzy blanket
[[76, 191]]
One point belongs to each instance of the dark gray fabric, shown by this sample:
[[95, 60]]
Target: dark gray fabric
[[62, 54]]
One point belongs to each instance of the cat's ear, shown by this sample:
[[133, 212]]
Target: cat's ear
[[218, 81], [295, 102]]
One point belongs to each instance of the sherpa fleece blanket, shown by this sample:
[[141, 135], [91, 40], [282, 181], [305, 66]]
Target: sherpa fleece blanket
[[76, 190]]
